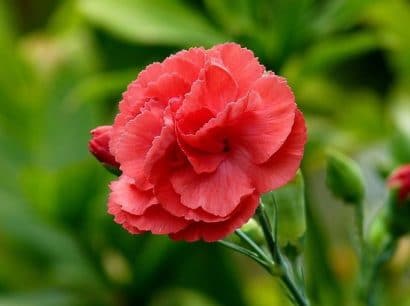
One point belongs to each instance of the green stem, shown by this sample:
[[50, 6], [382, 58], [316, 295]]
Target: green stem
[[277, 265], [239, 249], [267, 232], [359, 225], [253, 245], [285, 276], [362, 254], [372, 280]]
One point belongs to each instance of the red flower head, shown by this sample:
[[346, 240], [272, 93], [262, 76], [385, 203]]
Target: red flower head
[[400, 179], [99, 145], [199, 137]]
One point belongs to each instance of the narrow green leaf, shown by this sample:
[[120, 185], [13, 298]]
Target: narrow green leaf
[[340, 15], [46, 298], [233, 15], [151, 22], [335, 50]]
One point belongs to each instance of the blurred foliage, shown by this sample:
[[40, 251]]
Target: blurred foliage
[[64, 65]]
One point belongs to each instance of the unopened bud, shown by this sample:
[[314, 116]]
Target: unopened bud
[[344, 178], [399, 200], [400, 181], [99, 146]]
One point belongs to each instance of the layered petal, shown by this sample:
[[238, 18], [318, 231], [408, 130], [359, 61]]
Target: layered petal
[[209, 191], [207, 98], [265, 123], [149, 74], [216, 231], [135, 143], [160, 146], [129, 197], [212, 91], [129, 107], [171, 202], [138, 211], [203, 162], [151, 84], [162, 170], [187, 64], [259, 123], [166, 87], [282, 166], [133, 100], [158, 221], [241, 63], [121, 217]]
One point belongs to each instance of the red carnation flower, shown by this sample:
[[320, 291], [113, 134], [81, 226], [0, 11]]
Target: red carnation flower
[[199, 137], [400, 179]]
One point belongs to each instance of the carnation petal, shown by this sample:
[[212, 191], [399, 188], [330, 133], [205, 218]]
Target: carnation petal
[[214, 89], [221, 88], [202, 162], [282, 166], [216, 231], [151, 73], [258, 123], [130, 106], [160, 146], [209, 190], [157, 221], [135, 142], [139, 211], [187, 64], [121, 216], [166, 87], [171, 202], [207, 97], [133, 100], [265, 124], [208, 138], [241, 63], [131, 199]]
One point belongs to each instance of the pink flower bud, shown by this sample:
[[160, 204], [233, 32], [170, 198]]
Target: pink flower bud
[[99, 145], [400, 180]]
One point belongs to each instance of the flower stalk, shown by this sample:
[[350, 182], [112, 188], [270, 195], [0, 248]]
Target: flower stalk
[[385, 254], [274, 262], [286, 273]]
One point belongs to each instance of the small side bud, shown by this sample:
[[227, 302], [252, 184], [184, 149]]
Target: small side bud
[[400, 180], [399, 200], [344, 178], [99, 147]]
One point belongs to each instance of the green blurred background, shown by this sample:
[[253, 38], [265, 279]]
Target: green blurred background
[[63, 67]]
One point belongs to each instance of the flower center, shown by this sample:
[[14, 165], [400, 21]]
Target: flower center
[[226, 146]]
